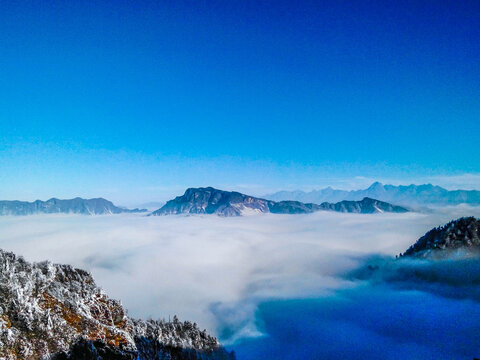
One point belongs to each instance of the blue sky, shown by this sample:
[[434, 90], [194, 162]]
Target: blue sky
[[136, 100]]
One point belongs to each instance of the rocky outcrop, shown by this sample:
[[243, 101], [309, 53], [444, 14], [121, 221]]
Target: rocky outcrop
[[48, 310]]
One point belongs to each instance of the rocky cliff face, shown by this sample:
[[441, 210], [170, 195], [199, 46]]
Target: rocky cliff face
[[225, 203], [48, 310], [97, 206], [460, 234], [212, 201]]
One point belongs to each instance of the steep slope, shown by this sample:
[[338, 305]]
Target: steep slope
[[77, 205], [46, 308], [418, 195], [461, 234], [225, 203]]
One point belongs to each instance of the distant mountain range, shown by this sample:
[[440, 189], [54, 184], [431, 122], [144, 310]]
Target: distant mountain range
[[198, 201], [230, 203], [411, 195], [460, 234], [78, 205]]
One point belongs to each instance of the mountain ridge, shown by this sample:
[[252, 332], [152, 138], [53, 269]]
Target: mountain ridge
[[94, 206], [208, 200], [404, 195]]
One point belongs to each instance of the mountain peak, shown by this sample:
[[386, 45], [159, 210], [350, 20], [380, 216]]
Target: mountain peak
[[199, 189], [208, 200], [376, 185]]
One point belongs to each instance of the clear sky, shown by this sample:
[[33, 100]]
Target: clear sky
[[136, 100]]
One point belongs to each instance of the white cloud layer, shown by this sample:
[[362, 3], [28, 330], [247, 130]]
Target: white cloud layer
[[201, 266]]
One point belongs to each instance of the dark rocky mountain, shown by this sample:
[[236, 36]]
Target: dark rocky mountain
[[78, 205], [212, 201], [417, 195], [462, 234], [57, 311], [230, 203]]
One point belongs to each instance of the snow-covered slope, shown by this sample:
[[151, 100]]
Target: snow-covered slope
[[45, 308]]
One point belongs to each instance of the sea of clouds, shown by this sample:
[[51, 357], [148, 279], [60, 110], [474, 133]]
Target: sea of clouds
[[221, 272]]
